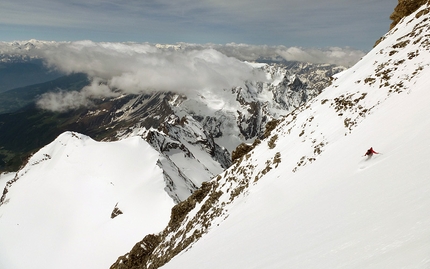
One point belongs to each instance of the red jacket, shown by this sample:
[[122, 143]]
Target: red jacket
[[370, 152]]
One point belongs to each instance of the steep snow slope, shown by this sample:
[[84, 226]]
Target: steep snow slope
[[343, 211], [307, 197], [56, 213]]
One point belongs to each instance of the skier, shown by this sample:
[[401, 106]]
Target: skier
[[370, 152]]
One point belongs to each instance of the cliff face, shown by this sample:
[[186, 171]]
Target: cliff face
[[405, 8]]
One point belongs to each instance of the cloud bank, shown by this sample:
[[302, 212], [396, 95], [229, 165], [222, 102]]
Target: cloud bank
[[333, 55], [133, 68]]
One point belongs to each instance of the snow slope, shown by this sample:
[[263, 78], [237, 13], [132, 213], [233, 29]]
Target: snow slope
[[57, 214], [324, 205]]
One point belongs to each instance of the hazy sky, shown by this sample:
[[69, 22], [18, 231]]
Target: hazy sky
[[305, 23]]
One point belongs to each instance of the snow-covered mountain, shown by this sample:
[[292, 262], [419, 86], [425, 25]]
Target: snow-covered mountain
[[306, 197], [75, 195]]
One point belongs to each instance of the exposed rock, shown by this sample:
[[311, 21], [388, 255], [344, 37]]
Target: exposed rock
[[241, 150], [139, 254], [270, 126], [145, 254], [115, 212], [405, 8]]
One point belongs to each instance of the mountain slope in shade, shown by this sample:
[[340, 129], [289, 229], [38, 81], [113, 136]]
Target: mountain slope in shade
[[17, 72], [78, 203], [306, 197]]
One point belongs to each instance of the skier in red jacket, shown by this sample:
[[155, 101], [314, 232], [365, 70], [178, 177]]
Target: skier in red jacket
[[370, 152]]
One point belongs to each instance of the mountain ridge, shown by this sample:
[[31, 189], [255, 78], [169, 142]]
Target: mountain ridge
[[358, 104]]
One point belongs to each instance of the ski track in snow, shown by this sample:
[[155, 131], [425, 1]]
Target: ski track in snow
[[370, 161]]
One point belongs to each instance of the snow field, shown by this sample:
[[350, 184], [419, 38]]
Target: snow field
[[58, 214]]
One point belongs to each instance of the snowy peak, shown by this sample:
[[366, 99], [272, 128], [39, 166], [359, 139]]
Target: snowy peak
[[70, 195], [305, 197]]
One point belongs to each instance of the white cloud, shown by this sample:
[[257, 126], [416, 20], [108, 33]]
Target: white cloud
[[63, 101], [144, 67], [334, 55], [135, 68]]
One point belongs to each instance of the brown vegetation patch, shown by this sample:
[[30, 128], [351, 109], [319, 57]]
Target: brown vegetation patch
[[378, 41], [324, 101], [272, 142], [412, 55], [369, 80], [343, 102], [277, 159], [139, 254], [270, 126], [115, 212], [401, 44], [422, 12], [180, 210], [240, 151]]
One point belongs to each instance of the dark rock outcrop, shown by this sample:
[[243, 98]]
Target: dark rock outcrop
[[405, 8]]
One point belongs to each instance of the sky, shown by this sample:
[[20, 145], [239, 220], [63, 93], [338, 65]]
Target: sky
[[305, 23]]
